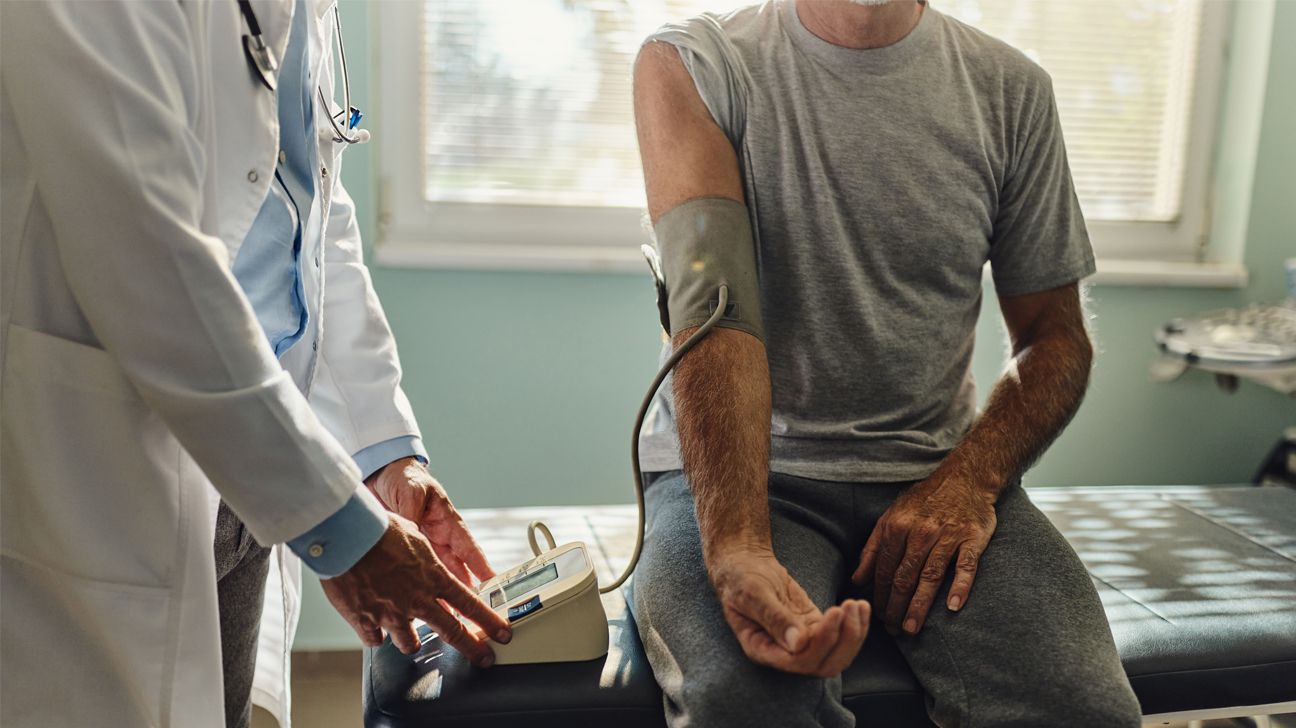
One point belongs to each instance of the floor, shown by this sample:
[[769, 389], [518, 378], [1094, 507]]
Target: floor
[[326, 694], [326, 691]]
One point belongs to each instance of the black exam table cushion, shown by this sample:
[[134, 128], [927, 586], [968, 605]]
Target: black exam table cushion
[[1199, 585]]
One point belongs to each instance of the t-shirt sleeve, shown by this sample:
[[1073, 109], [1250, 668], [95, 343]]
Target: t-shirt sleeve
[[716, 68], [1039, 240]]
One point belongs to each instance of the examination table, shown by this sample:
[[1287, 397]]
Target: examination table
[[1199, 584]]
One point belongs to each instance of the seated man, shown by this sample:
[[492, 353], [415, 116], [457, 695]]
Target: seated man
[[884, 153]]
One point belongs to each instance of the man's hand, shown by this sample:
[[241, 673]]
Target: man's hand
[[406, 487], [776, 623], [913, 543], [401, 578]]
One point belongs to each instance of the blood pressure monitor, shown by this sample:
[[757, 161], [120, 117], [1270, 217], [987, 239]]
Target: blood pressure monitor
[[552, 603]]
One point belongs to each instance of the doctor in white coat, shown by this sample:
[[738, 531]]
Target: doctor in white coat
[[185, 319]]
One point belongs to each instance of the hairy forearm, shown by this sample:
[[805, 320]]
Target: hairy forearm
[[722, 404], [1029, 406]]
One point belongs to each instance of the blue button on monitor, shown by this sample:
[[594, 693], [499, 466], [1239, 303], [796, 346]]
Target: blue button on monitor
[[525, 608]]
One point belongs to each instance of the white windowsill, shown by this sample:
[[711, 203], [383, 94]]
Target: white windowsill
[[1159, 273], [518, 257], [619, 259]]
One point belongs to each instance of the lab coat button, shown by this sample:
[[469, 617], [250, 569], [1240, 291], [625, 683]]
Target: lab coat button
[[283, 156], [315, 551], [253, 176]]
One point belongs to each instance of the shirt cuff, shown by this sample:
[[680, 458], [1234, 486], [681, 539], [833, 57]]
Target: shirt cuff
[[371, 459], [339, 541]]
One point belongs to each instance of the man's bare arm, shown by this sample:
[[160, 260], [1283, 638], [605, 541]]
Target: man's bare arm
[[1038, 394], [722, 386], [951, 513], [722, 403]]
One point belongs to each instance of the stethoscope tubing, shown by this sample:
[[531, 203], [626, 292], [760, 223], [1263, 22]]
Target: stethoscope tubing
[[263, 61], [347, 111]]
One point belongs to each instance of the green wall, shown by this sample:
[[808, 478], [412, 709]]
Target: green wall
[[525, 384]]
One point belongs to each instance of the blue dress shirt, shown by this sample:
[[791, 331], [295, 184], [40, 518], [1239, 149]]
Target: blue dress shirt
[[287, 230]]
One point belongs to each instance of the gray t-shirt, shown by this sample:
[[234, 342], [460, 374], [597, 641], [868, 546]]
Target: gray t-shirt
[[880, 182]]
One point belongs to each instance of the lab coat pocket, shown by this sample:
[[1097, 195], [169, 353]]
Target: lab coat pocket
[[90, 472], [77, 631]]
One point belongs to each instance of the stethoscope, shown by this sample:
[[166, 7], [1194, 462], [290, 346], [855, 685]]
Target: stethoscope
[[263, 62]]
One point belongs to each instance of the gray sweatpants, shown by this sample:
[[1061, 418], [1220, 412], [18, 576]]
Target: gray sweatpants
[[1031, 648], [242, 565]]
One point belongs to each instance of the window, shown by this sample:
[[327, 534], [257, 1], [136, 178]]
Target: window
[[522, 151]]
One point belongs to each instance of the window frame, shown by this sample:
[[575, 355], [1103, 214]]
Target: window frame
[[413, 231]]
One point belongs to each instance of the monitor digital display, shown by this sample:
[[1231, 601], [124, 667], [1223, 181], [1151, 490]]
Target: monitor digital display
[[531, 581]]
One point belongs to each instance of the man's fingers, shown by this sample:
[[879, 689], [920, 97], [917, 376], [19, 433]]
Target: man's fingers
[[854, 627], [776, 618], [929, 582], [868, 559], [761, 647], [964, 574], [756, 643], [402, 635], [890, 551], [823, 637], [896, 577], [454, 633], [904, 583]]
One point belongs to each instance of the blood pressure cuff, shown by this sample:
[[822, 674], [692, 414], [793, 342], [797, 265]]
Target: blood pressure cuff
[[702, 244]]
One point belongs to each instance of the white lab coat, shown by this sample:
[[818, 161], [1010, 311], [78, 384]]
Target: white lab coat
[[137, 149]]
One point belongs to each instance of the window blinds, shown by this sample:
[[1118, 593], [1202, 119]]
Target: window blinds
[[529, 101]]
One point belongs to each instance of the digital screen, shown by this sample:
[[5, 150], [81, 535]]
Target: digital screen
[[531, 581]]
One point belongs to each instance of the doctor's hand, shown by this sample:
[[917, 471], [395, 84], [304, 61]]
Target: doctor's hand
[[909, 552], [401, 578], [407, 488], [774, 620]]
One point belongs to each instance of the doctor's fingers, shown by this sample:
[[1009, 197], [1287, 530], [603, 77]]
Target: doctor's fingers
[[446, 529], [402, 634], [453, 632], [467, 549], [459, 598], [452, 562], [368, 632], [462, 558]]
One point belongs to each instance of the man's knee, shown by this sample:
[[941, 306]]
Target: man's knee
[[1076, 695], [1111, 705], [707, 680], [757, 696]]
